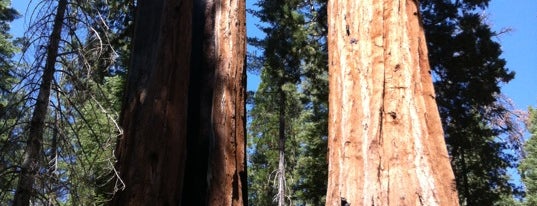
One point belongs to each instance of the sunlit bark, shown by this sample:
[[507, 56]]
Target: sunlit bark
[[386, 143]]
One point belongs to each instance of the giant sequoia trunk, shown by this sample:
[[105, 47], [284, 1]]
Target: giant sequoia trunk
[[184, 119], [386, 143], [30, 165]]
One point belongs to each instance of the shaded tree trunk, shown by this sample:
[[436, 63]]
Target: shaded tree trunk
[[386, 144], [184, 119], [281, 148], [30, 165]]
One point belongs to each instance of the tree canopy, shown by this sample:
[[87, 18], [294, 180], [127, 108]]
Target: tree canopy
[[468, 73]]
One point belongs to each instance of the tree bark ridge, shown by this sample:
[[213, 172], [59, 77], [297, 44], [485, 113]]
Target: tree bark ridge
[[385, 136], [184, 139]]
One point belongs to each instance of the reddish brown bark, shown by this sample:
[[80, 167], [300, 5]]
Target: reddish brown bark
[[184, 122], [228, 162], [151, 152], [386, 143]]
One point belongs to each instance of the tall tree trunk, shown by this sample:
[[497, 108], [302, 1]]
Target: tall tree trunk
[[464, 173], [30, 165], [228, 161], [152, 151], [281, 148], [185, 116], [386, 144]]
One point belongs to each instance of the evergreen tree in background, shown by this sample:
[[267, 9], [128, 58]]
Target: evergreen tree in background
[[310, 186], [527, 167], [264, 144], [8, 112], [478, 123], [74, 162], [30, 167], [280, 74], [289, 108], [7, 50]]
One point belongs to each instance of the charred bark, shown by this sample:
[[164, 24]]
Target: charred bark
[[152, 150], [185, 118], [31, 165]]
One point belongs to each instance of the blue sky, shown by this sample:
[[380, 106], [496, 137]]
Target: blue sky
[[519, 47], [17, 27]]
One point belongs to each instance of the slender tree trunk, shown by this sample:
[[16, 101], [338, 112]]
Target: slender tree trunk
[[281, 147], [30, 165], [386, 144], [185, 116], [464, 171]]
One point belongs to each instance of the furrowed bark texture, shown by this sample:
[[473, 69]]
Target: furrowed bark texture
[[228, 161], [184, 139], [152, 150], [30, 165], [386, 144]]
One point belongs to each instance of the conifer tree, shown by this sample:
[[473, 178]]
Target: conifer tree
[[527, 166], [281, 73], [310, 186], [290, 104], [7, 50], [8, 111], [74, 158], [31, 164], [468, 73]]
